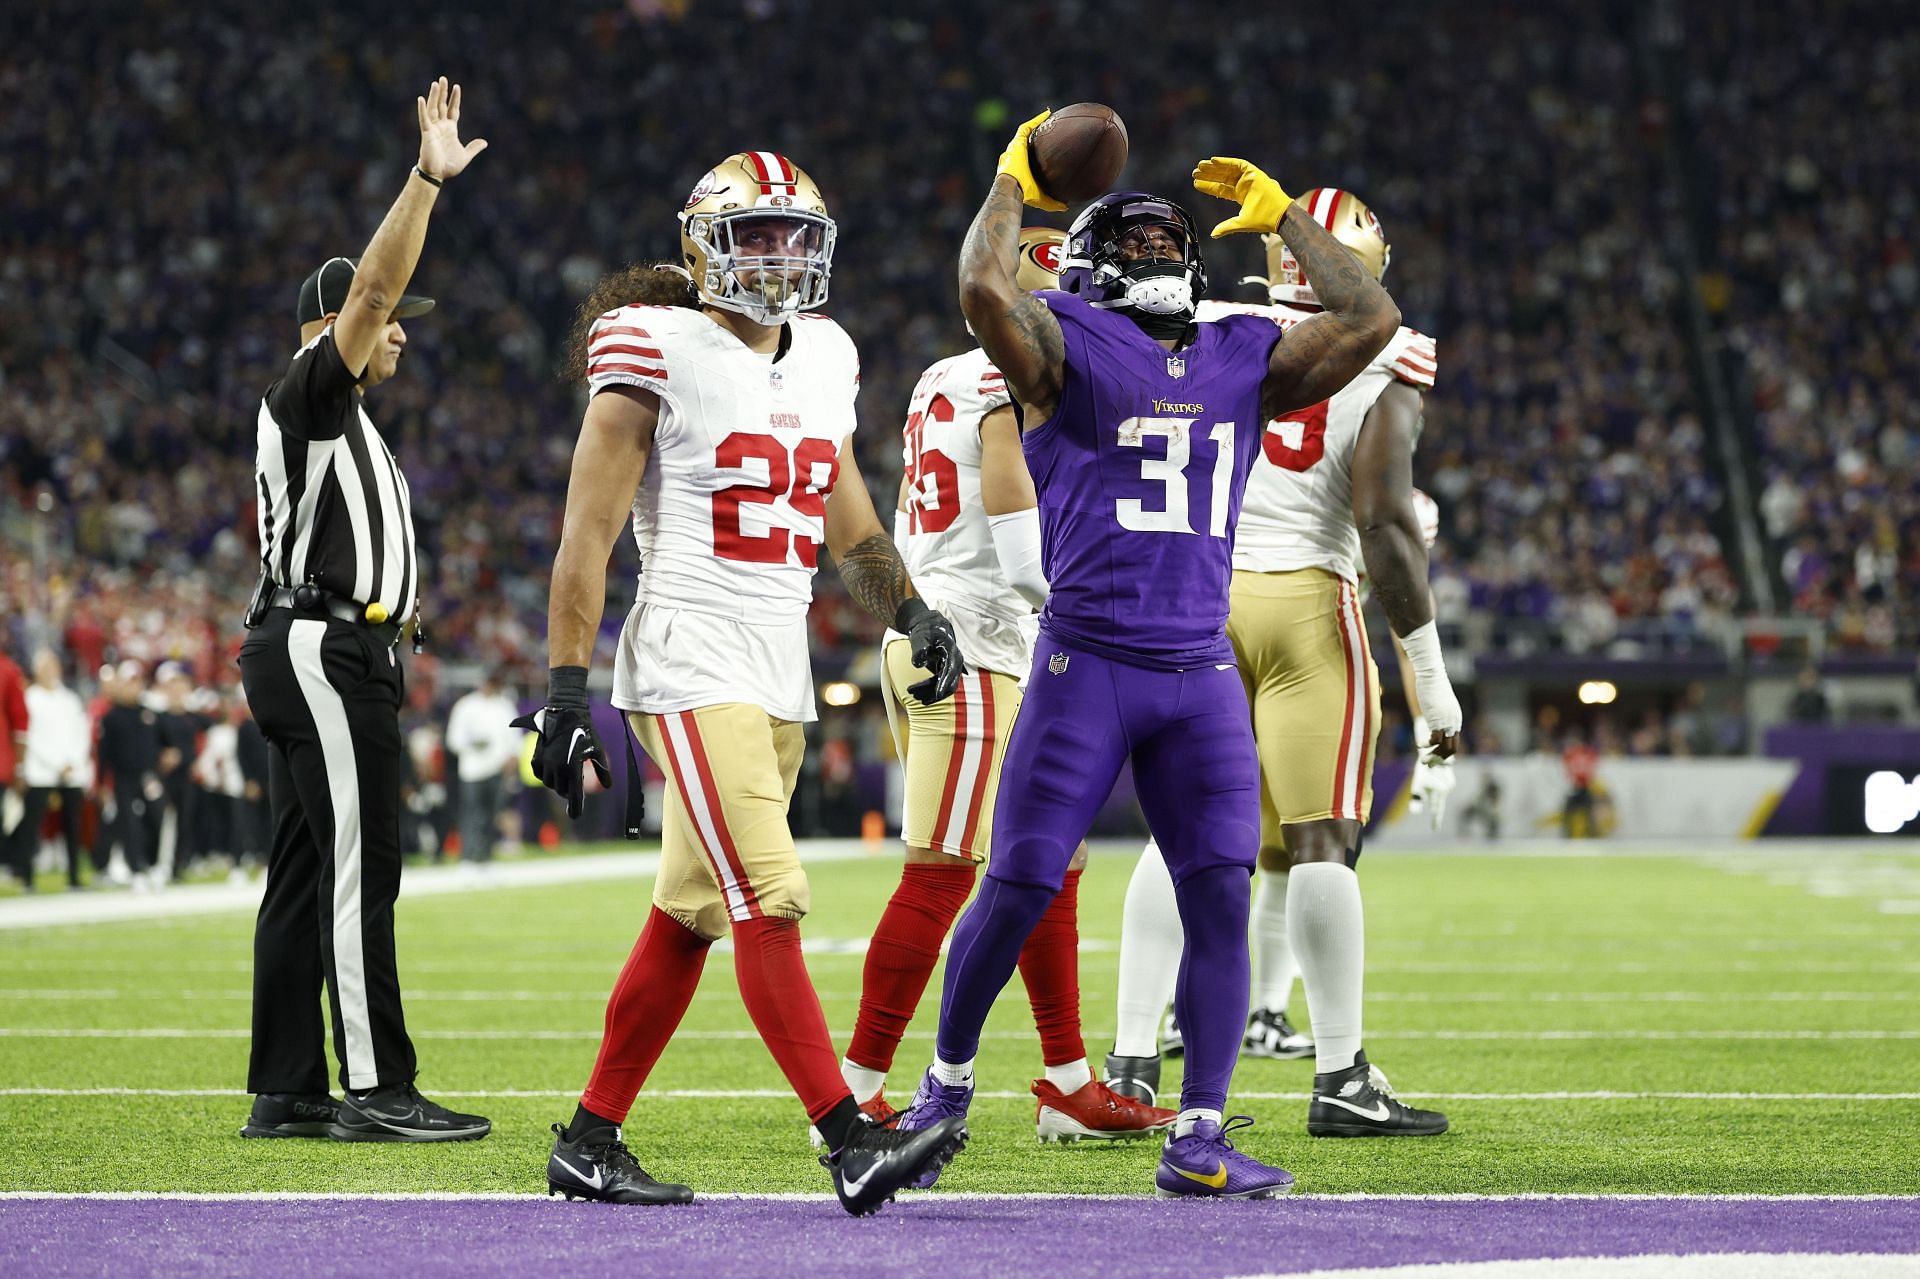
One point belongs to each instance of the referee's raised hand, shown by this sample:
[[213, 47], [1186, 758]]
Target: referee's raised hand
[[442, 155]]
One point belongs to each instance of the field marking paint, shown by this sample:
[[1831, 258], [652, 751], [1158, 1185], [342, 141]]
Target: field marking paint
[[977, 1196], [1516, 1036], [750, 1094]]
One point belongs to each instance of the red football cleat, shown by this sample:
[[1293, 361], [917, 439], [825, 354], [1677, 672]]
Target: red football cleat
[[877, 1109], [1095, 1112]]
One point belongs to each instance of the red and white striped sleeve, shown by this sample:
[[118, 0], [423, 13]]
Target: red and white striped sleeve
[[1413, 359], [627, 347], [993, 390]]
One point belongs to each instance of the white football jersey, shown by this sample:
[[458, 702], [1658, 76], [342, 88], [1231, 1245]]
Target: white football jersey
[[730, 513], [949, 550], [1298, 511]]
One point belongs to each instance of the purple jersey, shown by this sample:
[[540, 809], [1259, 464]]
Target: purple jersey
[[1139, 473]]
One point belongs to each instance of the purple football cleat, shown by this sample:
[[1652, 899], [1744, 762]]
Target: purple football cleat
[[932, 1102], [1204, 1165]]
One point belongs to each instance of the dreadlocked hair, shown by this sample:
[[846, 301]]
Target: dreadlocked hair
[[646, 283]]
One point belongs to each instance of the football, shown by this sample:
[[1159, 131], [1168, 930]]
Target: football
[[1079, 151]]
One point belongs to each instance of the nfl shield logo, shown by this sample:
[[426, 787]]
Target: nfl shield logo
[[1176, 366], [1057, 663], [776, 380]]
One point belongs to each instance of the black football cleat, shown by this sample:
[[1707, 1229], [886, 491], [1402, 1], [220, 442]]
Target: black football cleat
[[1173, 1042], [1135, 1077], [291, 1114], [879, 1160], [397, 1112], [598, 1166], [1358, 1102], [1270, 1034]]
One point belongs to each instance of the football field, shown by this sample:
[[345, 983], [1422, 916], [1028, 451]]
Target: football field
[[1726, 1021]]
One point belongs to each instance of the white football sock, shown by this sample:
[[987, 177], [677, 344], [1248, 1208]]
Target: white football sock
[[1274, 967], [864, 1084], [1151, 943], [1188, 1118], [1071, 1077], [954, 1074], [1328, 930]]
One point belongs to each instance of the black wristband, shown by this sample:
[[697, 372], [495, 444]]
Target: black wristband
[[428, 177], [911, 610], [567, 688]]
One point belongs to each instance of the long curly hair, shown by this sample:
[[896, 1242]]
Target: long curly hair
[[660, 283]]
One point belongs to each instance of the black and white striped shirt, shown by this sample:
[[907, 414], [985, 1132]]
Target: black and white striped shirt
[[334, 508]]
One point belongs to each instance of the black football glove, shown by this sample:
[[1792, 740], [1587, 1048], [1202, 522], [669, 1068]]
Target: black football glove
[[935, 649], [564, 740]]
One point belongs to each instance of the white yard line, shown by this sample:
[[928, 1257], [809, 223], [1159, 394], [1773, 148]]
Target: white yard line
[[1518, 1036], [747, 1094]]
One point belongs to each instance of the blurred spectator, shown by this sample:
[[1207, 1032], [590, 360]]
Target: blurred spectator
[[180, 728], [130, 757], [1810, 704], [487, 750], [56, 768], [1582, 764]]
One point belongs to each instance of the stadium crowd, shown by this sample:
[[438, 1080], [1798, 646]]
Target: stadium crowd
[[162, 207]]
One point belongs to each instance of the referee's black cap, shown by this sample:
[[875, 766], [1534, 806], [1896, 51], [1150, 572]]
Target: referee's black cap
[[326, 290]]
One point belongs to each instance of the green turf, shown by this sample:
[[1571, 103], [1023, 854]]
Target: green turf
[[1460, 945]]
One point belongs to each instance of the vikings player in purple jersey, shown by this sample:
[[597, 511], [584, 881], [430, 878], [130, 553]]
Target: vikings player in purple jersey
[[1140, 426]]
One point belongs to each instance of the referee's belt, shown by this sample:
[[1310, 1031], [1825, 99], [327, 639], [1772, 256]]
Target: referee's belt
[[334, 606]]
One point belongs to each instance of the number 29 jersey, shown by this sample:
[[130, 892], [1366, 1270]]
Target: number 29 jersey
[[1140, 473], [1299, 505], [730, 512]]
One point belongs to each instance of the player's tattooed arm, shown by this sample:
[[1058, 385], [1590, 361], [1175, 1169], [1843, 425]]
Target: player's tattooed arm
[[1390, 540], [870, 563], [1016, 329], [1320, 355]]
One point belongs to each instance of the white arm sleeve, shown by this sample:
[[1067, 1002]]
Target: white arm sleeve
[[1016, 539]]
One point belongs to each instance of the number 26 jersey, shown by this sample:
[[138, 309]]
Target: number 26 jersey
[[730, 512]]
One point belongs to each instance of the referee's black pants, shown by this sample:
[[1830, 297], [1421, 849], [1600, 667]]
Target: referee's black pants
[[327, 695]]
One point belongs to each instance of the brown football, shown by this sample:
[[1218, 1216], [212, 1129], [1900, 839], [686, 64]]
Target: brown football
[[1079, 151]]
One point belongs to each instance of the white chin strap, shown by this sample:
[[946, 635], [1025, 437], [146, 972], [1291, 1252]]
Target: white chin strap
[[1161, 295]]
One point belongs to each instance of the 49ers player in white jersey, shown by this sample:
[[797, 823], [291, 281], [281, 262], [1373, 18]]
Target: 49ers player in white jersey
[[1333, 498], [971, 534], [723, 426]]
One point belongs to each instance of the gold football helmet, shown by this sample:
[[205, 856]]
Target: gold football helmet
[[757, 239], [1042, 251], [1349, 221]]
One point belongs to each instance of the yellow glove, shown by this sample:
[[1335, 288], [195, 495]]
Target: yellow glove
[[1262, 202], [1016, 163]]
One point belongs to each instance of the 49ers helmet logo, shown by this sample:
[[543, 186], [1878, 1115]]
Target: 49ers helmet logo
[[1051, 255], [702, 189]]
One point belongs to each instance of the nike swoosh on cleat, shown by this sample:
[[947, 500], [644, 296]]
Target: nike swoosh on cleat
[[1216, 1179], [856, 1184], [593, 1180], [1379, 1112]]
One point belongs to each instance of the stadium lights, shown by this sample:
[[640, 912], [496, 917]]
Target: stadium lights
[[840, 693], [1598, 692]]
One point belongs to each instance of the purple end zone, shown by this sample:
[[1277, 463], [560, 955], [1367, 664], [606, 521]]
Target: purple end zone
[[929, 1238]]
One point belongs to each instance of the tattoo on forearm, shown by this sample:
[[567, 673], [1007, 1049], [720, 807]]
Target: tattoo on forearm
[[1323, 354], [1339, 281], [876, 576], [991, 252], [993, 241], [1038, 331]]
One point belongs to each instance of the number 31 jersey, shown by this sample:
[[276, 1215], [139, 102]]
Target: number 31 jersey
[[949, 551], [1140, 472], [1299, 504], [730, 512]]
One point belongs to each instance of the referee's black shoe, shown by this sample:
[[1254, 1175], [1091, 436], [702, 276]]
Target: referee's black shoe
[[597, 1165], [291, 1114], [879, 1159], [397, 1112]]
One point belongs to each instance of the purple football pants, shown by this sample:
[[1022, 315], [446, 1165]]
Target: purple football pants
[[1190, 739]]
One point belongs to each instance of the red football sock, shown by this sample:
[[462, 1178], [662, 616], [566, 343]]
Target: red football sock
[[1050, 966], [901, 956], [644, 1010], [780, 998]]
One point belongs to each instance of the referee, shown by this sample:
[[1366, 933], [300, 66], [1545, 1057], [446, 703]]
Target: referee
[[339, 576]]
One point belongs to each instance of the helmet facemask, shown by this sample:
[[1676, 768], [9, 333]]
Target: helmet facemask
[[768, 264], [1137, 254]]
